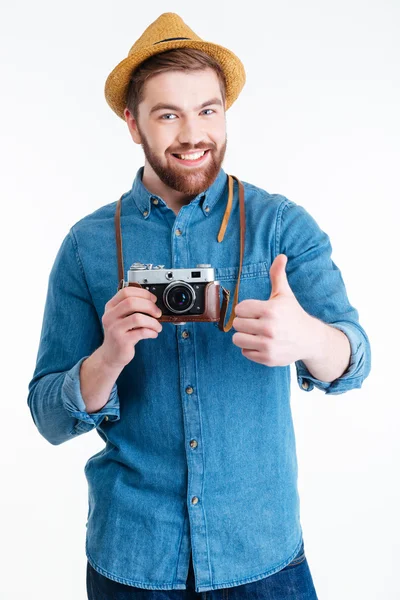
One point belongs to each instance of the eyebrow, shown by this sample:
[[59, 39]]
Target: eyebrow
[[162, 106]]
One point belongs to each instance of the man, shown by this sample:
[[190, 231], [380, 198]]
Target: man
[[200, 453]]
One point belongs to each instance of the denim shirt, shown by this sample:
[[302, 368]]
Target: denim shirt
[[199, 451]]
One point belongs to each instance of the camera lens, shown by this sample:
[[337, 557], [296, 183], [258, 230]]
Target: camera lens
[[179, 297]]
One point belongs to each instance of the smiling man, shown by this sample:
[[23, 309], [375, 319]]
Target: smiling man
[[183, 136], [195, 492]]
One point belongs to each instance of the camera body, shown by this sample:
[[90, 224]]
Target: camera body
[[182, 294]]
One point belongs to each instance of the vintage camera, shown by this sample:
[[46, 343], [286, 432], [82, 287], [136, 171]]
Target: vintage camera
[[182, 294]]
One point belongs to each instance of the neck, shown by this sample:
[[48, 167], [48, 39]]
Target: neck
[[172, 198]]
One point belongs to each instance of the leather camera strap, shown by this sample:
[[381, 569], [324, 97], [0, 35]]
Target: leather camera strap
[[226, 293], [117, 221]]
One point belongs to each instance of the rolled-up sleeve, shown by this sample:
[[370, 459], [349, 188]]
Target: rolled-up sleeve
[[318, 286], [71, 332], [74, 404]]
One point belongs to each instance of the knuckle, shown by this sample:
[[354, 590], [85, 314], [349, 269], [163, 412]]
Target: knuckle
[[140, 319], [270, 359], [270, 329], [136, 320], [124, 292], [131, 302], [129, 290], [265, 347]]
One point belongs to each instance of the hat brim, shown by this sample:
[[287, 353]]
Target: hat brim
[[117, 83]]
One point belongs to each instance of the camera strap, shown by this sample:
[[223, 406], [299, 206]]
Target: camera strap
[[226, 293], [220, 237]]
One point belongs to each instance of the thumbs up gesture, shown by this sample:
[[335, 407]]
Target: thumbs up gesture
[[274, 332]]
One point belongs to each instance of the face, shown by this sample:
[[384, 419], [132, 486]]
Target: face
[[182, 113]]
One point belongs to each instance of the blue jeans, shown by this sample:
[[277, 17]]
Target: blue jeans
[[294, 582]]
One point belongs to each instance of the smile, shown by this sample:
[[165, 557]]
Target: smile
[[195, 158]]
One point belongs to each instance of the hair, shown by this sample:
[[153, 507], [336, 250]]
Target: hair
[[177, 59]]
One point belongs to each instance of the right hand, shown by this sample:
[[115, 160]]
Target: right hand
[[129, 316]]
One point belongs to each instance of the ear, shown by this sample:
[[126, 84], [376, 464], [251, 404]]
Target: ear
[[132, 126]]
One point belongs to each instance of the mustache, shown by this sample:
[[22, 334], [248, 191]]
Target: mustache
[[187, 150]]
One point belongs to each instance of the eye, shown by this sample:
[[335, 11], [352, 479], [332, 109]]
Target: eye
[[164, 116]]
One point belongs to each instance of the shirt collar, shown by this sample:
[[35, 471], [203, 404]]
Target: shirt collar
[[207, 199]]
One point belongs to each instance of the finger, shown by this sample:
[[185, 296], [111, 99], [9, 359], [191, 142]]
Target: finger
[[253, 355], [143, 333], [139, 321], [135, 304], [251, 326], [251, 309], [249, 342], [129, 292]]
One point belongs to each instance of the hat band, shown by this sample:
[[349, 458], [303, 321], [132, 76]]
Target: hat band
[[170, 39]]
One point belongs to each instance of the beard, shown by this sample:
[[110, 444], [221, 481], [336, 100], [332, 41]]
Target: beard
[[181, 178]]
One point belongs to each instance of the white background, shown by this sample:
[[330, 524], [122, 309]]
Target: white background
[[318, 121]]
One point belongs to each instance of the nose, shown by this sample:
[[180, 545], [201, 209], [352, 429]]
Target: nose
[[190, 133]]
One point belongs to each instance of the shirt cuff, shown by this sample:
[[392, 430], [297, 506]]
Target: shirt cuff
[[351, 378], [74, 404]]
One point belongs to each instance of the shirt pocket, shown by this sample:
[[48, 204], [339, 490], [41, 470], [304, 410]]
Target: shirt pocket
[[254, 282]]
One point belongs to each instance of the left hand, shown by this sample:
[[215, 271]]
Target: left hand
[[274, 332]]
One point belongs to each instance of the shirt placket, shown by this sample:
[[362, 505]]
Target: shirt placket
[[191, 407]]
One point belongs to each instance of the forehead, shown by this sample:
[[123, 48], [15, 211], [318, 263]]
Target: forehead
[[184, 88]]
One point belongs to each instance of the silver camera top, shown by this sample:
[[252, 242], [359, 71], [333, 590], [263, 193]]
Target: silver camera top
[[147, 273]]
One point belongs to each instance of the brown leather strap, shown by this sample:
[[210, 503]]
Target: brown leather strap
[[220, 237], [226, 293], [117, 221], [228, 209]]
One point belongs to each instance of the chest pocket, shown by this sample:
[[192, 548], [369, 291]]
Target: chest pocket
[[254, 283]]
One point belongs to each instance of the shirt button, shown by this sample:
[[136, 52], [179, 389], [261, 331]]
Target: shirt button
[[305, 385], [189, 389], [195, 500], [185, 334], [207, 208], [106, 418], [193, 444], [178, 232], [145, 213], [154, 200]]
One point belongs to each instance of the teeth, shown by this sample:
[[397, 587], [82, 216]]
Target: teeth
[[191, 156]]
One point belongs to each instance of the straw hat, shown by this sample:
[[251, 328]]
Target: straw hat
[[165, 33]]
